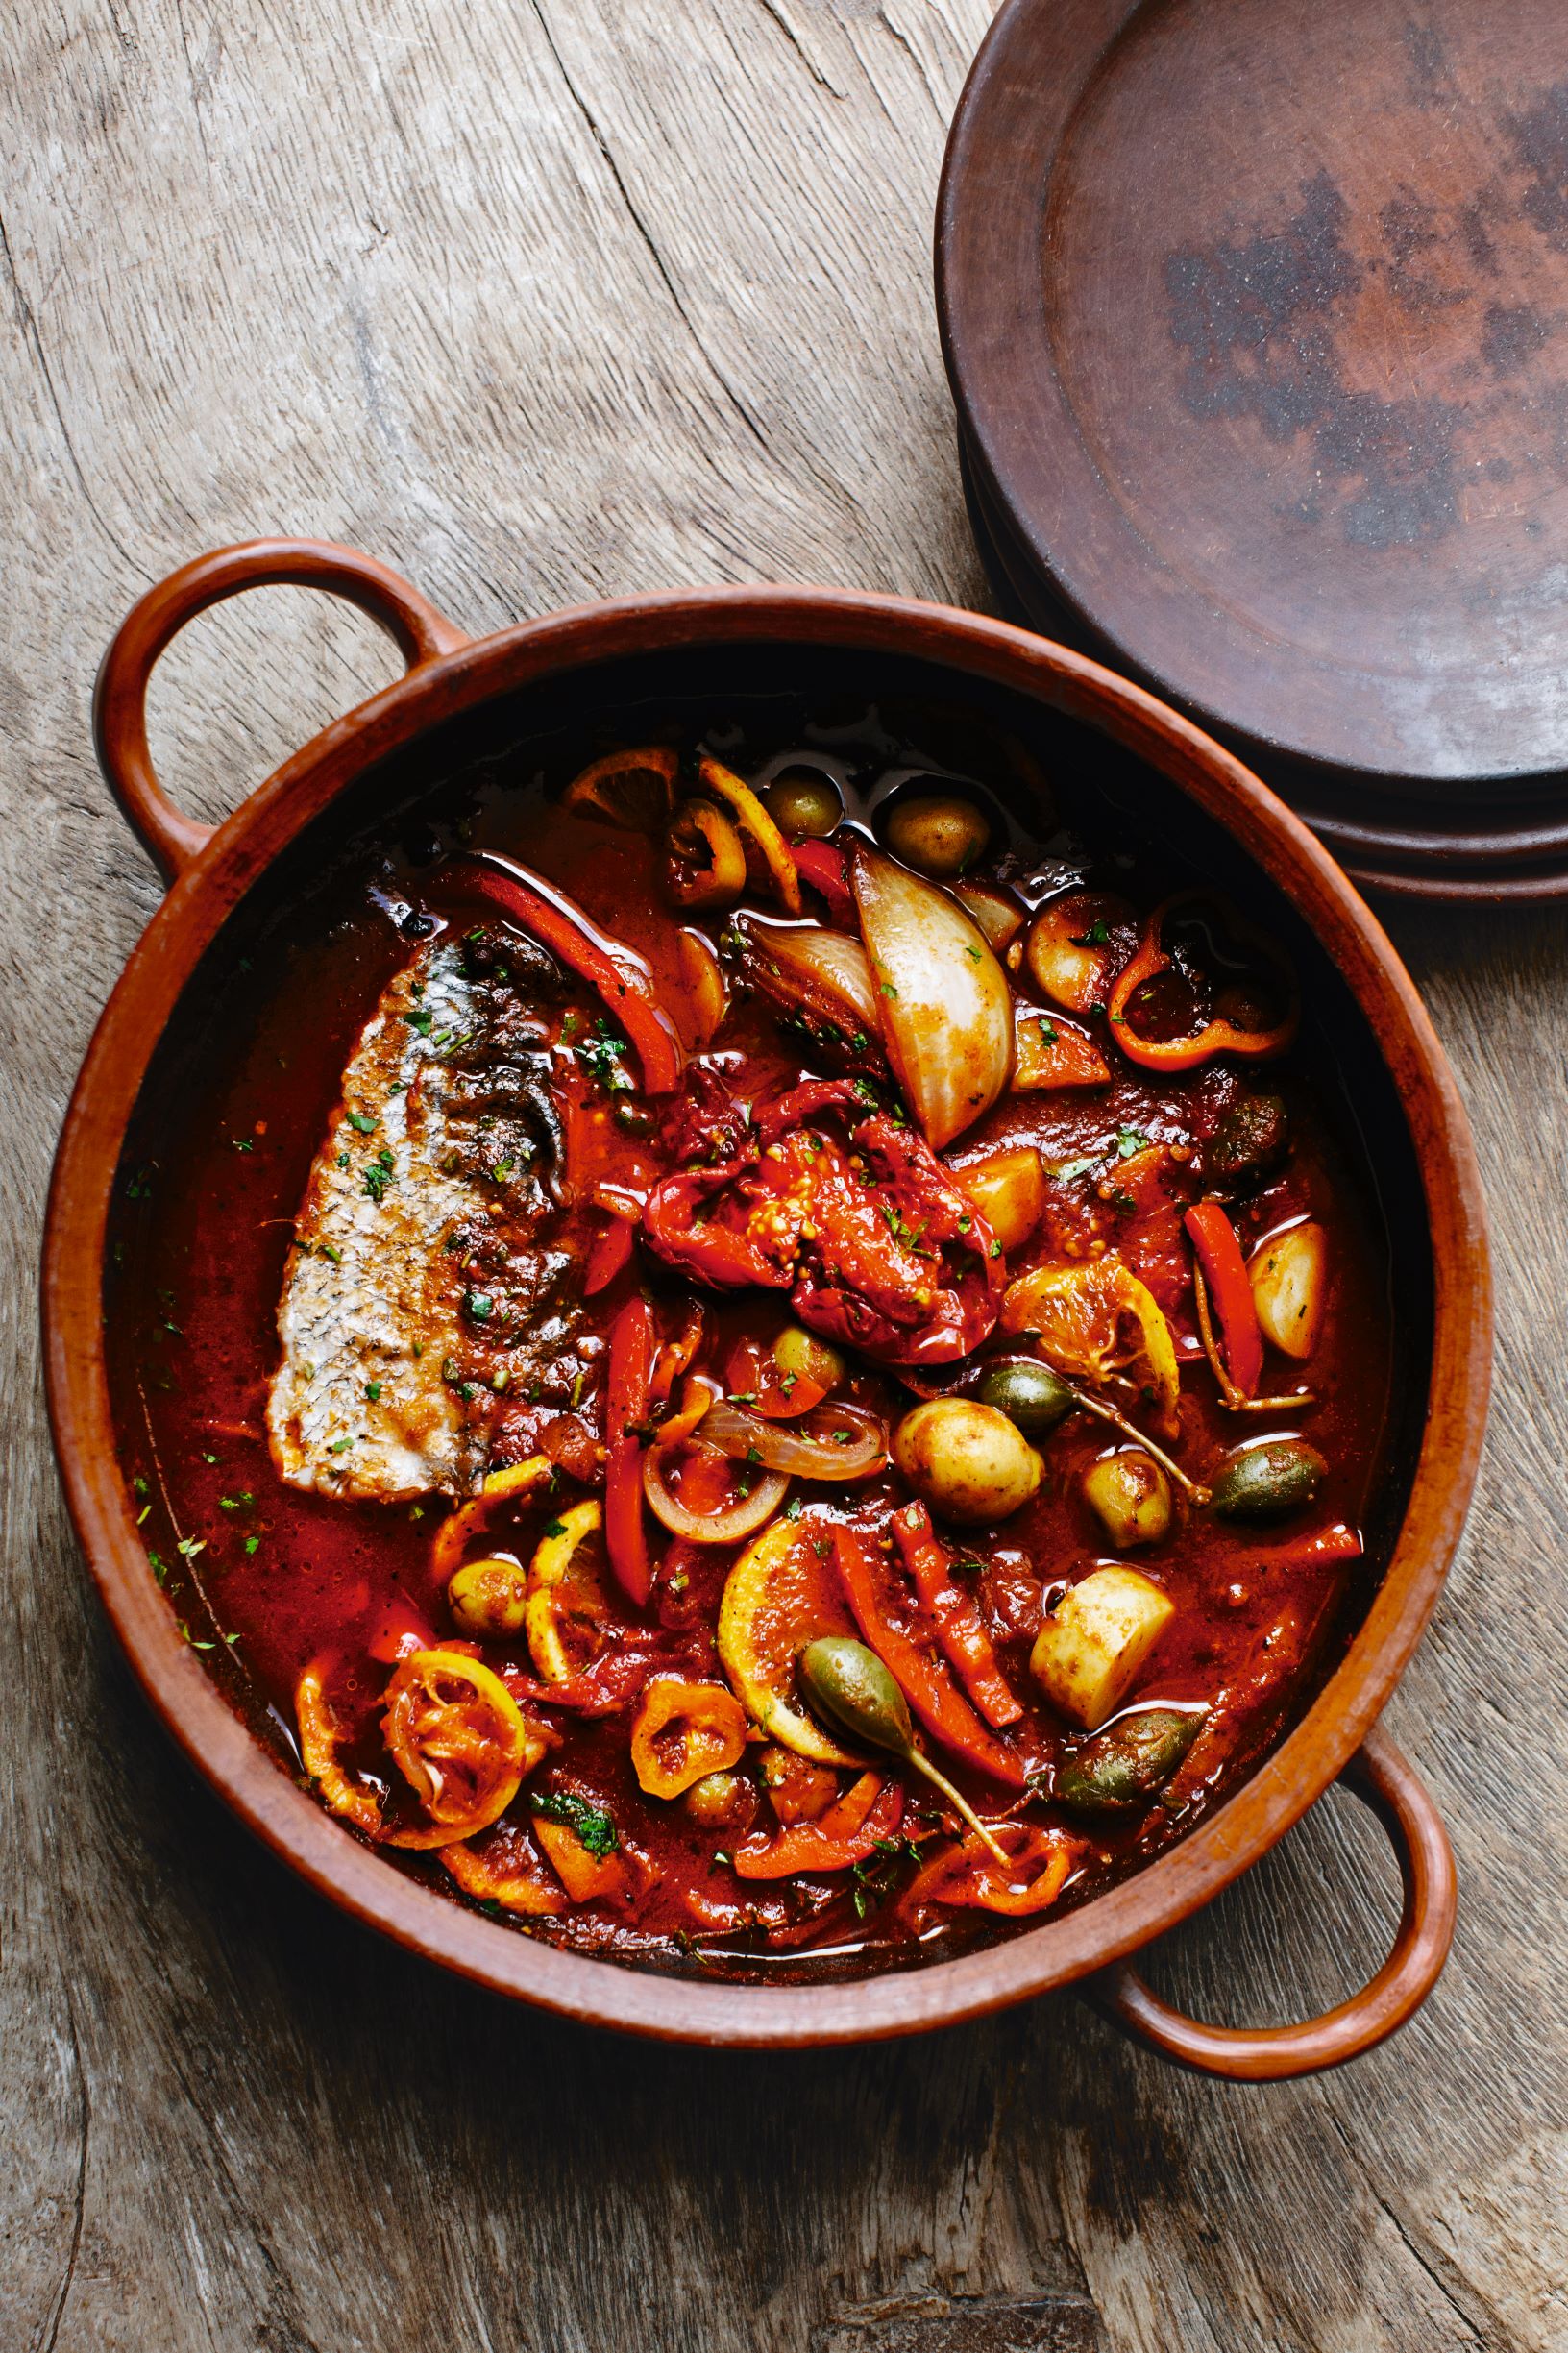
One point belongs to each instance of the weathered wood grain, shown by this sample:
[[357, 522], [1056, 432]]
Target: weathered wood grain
[[540, 299]]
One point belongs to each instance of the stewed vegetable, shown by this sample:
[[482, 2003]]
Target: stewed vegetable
[[825, 1376]]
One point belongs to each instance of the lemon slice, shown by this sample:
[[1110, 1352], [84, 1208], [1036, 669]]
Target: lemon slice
[[1094, 1321], [781, 1595]]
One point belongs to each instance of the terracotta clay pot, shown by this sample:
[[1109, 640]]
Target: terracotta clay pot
[[1440, 1214]]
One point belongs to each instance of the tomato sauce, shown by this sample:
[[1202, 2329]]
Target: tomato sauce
[[269, 1578]]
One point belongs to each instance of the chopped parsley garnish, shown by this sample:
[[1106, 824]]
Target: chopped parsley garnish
[[340, 1446], [554, 1528], [1097, 935], [420, 1019], [1048, 1031], [235, 1502], [158, 1564], [363, 1121], [373, 1390], [593, 1827], [377, 1180], [252, 1543], [1131, 1140], [190, 1546], [480, 1306], [600, 1056], [241, 1144], [792, 1509], [996, 1250]]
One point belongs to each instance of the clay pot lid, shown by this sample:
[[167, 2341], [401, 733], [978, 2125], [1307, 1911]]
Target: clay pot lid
[[1257, 320]]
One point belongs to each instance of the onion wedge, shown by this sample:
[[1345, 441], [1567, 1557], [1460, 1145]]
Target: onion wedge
[[825, 977], [943, 1000]]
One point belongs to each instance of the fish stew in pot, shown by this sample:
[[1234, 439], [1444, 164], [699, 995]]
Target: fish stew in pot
[[759, 1344]]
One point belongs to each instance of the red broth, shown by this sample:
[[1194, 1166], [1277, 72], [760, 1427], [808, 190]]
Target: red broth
[[269, 1578]]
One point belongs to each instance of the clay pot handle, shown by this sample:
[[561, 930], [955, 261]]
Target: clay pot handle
[[1383, 1779], [119, 705]]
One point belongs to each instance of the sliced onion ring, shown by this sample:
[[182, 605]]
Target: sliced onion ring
[[811, 1451], [742, 1518]]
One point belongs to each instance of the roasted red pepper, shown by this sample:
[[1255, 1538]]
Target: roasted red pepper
[[870, 1809], [1204, 1022], [626, 1424], [890, 1623], [822, 863], [608, 966], [890, 1257], [1230, 1293], [608, 1255], [960, 1628]]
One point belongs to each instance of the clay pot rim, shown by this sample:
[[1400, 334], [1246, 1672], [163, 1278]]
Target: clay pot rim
[[286, 1817]]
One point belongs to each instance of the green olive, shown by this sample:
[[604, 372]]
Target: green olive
[[968, 1461], [488, 1598], [1122, 1767], [938, 833], [1253, 1137], [1131, 1495], [807, 1358], [1267, 1481], [803, 804], [1028, 1392]]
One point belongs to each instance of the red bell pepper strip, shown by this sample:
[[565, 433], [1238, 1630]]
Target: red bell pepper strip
[[1149, 959], [610, 1255], [1324, 1549], [824, 866], [608, 966], [1225, 1272], [626, 1418], [959, 1626], [870, 1809], [884, 1616]]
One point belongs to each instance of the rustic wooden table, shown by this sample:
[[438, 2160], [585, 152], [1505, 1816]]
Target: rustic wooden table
[[543, 299]]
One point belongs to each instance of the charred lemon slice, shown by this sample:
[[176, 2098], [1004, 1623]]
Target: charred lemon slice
[[460, 1741], [781, 1595], [633, 790], [1097, 1323], [564, 1613]]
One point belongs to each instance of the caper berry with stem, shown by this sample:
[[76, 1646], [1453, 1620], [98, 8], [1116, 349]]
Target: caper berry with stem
[[1120, 1768], [849, 1686], [1270, 1481], [803, 803], [1033, 1396]]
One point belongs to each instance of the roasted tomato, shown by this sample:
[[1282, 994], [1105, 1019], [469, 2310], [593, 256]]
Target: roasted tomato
[[834, 1201]]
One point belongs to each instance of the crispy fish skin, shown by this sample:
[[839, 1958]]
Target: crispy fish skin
[[372, 1310]]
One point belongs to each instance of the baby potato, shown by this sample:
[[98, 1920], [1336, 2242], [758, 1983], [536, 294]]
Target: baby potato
[[1131, 1495], [1088, 1653], [1290, 1288], [1009, 1190], [965, 1460], [489, 1598], [940, 834]]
